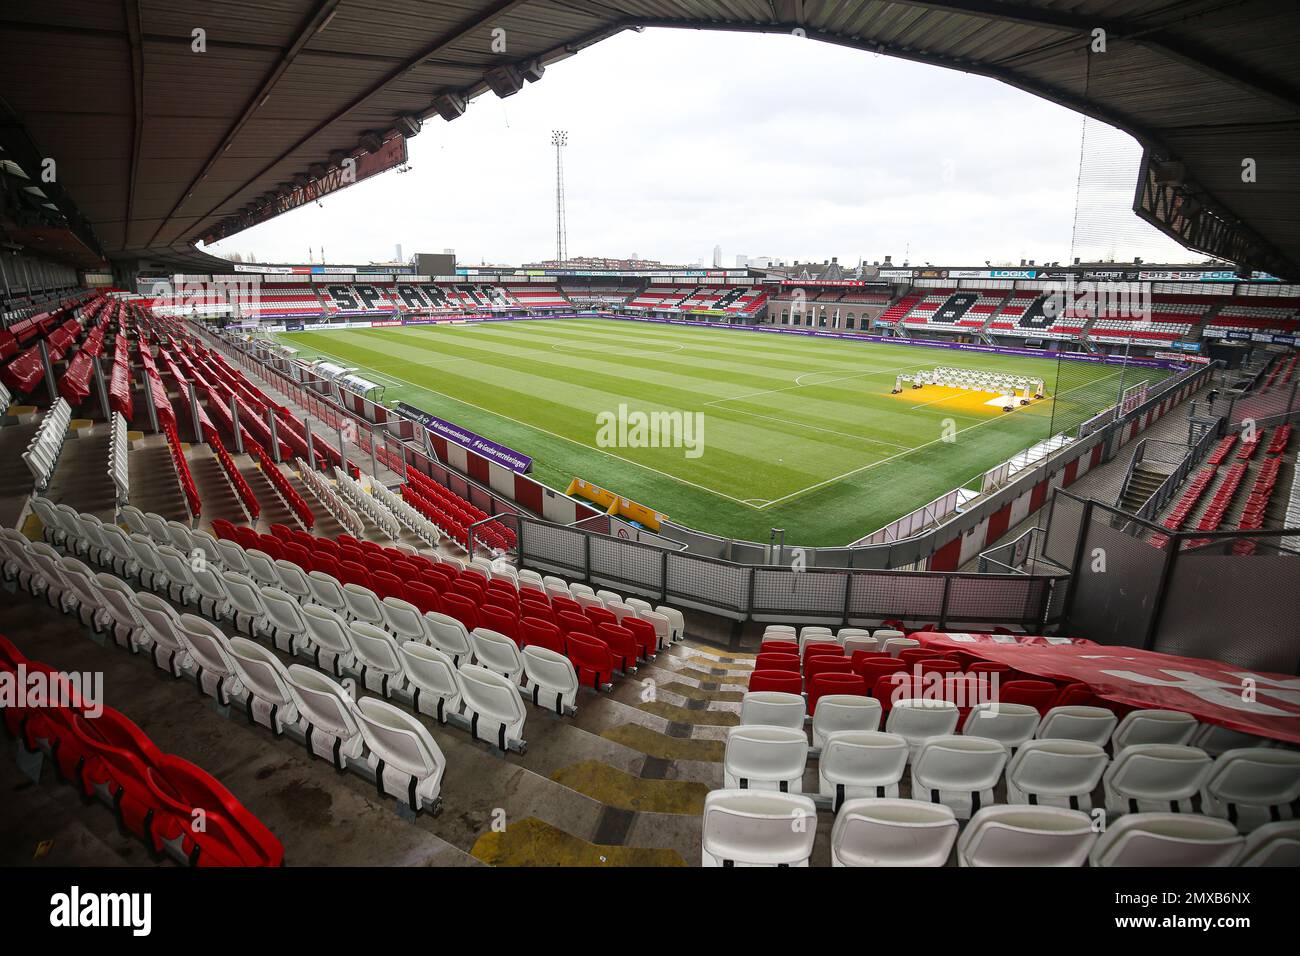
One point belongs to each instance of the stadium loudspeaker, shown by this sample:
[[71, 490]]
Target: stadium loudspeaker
[[371, 141], [505, 80], [533, 70], [449, 105], [409, 124]]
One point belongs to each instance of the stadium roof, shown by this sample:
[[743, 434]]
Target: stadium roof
[[158, 145]]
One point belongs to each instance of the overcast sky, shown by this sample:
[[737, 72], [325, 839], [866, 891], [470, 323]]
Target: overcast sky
[[764, 145]]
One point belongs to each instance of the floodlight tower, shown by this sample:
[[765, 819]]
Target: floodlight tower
[[560, 139]]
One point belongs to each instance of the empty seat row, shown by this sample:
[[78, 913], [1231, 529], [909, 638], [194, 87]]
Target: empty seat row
[[356, 495], [408, 515], [1248, 786], [384, 743], [330, 499], [118, 458], [43, 450], [361, 637], [748, 828]]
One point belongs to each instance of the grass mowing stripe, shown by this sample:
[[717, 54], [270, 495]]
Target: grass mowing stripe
[[827, 459]]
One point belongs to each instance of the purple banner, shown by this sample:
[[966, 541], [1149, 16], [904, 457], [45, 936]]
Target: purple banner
[[492, 451]]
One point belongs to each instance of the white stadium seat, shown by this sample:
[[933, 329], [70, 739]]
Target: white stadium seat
[[284, 615], [891, 832], [1273, 844], [403, 620], [552, 677], [861, 763], [449, 636], [209, 649], [1055, 773], [377, 655], [1155, 778], [326, 592], [436, 688], [1252, 786], [497, 653], [493, 704], [773, 708], [1009, 724], [843, 712], [760, 757], [332, 729], [1154, 727], [916, 720], [161, 633], [270, 701], [757, 828], [1072, 722], [1008, 835], [957, 771], [363, 604], [1167, 839], [407, 761]]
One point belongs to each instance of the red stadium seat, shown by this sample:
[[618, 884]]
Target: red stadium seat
[[820, 649], [777, 662], [599, 616], [118, 756], [376, 562], [834, 682], [938, 665], [502, 600], [1076, 695], [462, 609], [910, 655], [540, 611], [591, 658], [644, 633], [621, 644], [1039, 694], [297, 554], [533, 630], [572, 623], [500, 620], [896, 686], [224, 834], [354, 573], [781, 680], [327, 565], [822, 663], [283, 532], [387, 584], [422, 596], [566, 604], [533, 594], [469, 588]]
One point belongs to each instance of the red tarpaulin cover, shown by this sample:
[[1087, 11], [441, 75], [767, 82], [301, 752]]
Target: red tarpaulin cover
[[1253, 702]]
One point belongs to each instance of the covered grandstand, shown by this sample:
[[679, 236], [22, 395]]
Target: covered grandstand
[[334, 628]]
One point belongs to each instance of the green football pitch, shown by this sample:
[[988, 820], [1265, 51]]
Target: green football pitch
[[792, 432]]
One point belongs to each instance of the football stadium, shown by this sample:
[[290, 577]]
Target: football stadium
[[519, 558]]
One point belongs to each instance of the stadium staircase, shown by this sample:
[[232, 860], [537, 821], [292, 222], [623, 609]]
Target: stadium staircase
[[1142, 484]]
